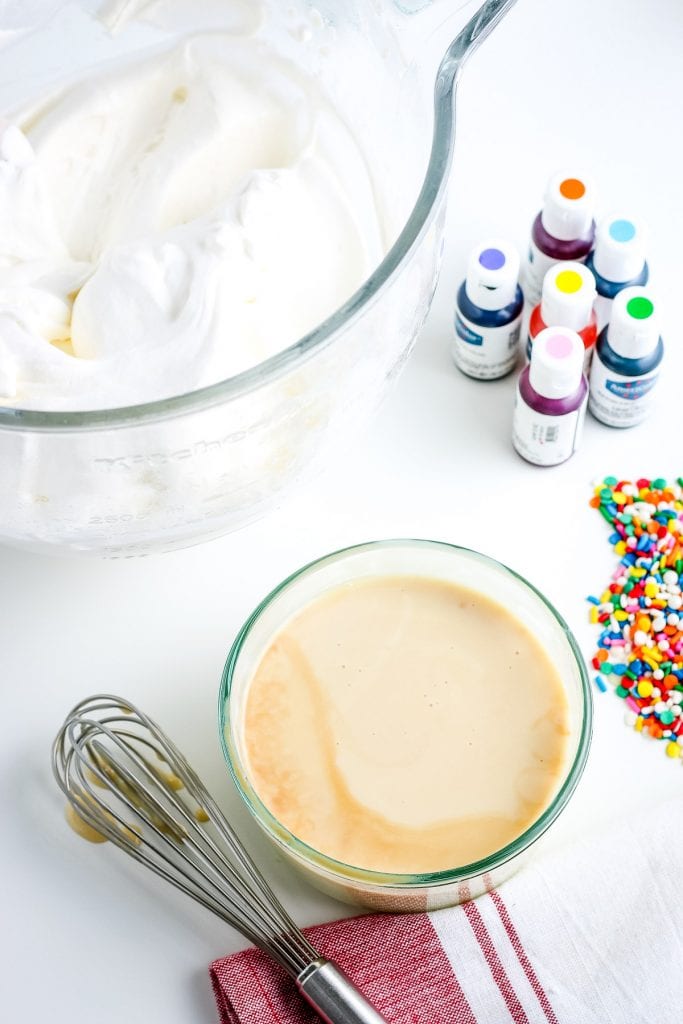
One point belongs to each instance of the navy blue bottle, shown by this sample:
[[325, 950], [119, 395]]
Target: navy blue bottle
[[488, 312], [626, 363]]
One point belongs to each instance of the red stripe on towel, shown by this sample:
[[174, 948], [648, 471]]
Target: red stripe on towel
[[495, 964], [526, 964]]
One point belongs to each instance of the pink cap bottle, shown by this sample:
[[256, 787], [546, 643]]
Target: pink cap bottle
[[551, 398]]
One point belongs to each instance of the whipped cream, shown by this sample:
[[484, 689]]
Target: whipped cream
[[170, 218]]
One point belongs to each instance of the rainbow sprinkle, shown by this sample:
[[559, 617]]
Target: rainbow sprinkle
[[640, 647]]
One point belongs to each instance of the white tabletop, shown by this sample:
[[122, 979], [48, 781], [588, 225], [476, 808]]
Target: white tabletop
[[87, 935]]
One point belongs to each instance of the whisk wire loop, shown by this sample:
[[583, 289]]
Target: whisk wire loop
[[101, 766]]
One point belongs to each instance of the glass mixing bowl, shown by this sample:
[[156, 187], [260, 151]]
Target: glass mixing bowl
[[169, 473], [436, 560]]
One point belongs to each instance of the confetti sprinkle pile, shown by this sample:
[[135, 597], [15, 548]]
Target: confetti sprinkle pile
[[640, 648]]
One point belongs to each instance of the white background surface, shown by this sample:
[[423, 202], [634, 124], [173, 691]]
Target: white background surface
[[86, 935]]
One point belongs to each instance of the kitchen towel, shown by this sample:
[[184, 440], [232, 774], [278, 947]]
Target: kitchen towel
[[592, 934]]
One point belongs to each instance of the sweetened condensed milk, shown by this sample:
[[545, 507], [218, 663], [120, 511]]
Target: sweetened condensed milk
[[405, 724]]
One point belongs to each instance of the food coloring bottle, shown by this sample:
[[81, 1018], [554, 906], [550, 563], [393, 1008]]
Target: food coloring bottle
[[626, 361], [488, 312], [550, 405], [563, 230], [618, 261], [567, 301]]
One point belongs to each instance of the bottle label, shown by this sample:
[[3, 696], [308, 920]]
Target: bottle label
[[465, 332], [546, 440], [485, 352], [617, 400], [631, 390]]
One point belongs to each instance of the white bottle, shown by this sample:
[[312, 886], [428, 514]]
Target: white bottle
[[550, 404], [625, 367], [567, 301], [563, 230], [488, 312]]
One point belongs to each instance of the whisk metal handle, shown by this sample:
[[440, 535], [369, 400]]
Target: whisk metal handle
[[334, 997]]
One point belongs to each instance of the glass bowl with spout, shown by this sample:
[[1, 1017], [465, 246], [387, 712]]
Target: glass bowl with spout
[[173, 472]]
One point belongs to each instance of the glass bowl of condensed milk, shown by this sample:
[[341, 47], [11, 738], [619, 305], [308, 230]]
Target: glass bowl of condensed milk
[[405, 719]]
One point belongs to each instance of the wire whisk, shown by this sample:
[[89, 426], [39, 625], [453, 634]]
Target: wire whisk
[[127, 782]]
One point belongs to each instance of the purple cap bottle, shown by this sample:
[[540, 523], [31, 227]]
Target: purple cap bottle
[[563, 230], [550, 405]]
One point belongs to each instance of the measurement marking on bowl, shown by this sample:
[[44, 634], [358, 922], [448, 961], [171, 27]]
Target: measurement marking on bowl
[[162, 458]]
